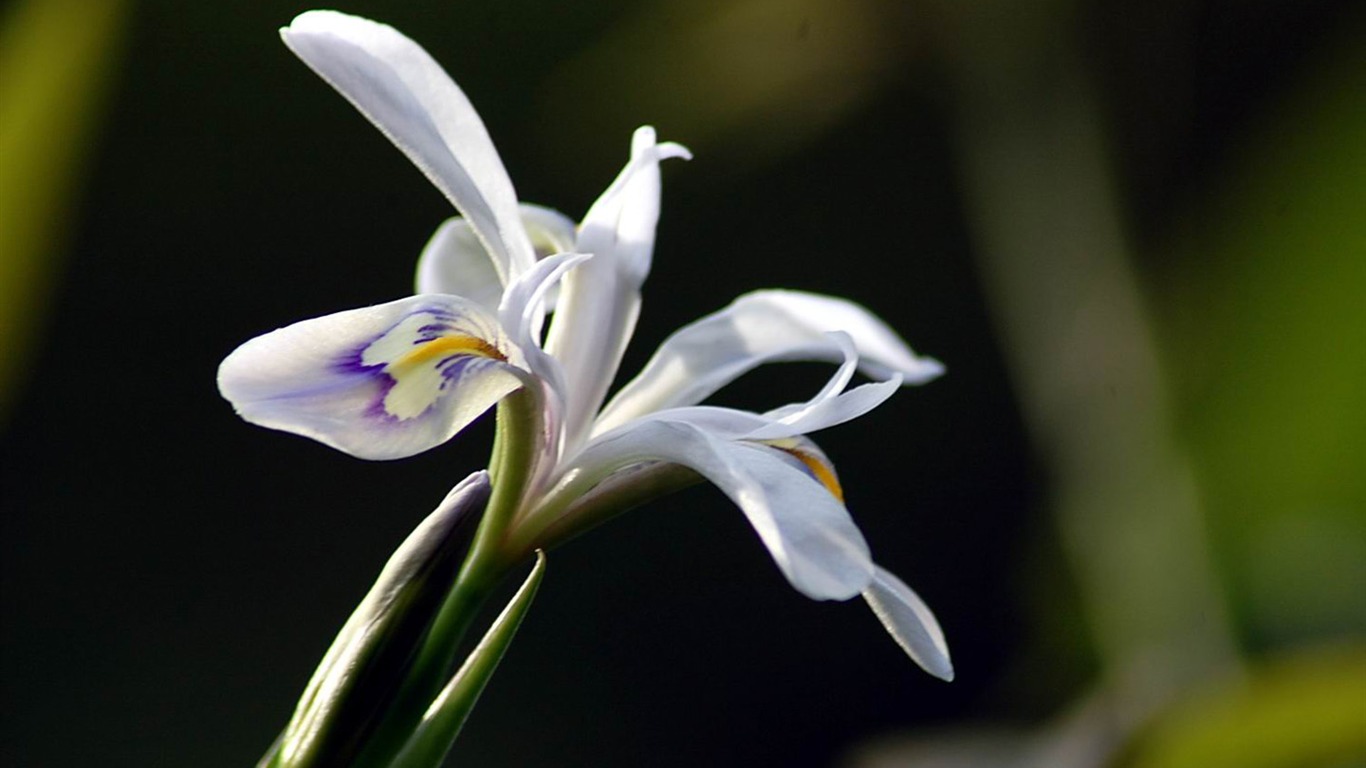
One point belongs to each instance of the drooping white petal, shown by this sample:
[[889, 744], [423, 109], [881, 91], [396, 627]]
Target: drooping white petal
[[600, 301], [910, 622], [757, 328], [807, 531], [407, 95], [381, 382], [456, 262]]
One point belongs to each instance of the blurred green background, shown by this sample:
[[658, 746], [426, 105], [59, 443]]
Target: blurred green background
[[1135, 232]]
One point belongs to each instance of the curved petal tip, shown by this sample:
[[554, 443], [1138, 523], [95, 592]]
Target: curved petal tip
[[910, 622]]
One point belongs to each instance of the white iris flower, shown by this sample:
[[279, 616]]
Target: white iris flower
[[393, 380]]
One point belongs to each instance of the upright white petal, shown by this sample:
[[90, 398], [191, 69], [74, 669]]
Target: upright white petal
[[600, 301], [757, 328], [381, 382], [910, 622], [521, 311], [407, 95], [807, 531], [457, 263]]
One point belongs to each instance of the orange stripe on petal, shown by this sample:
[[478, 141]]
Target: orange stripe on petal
[[450, 345], [823, 471]]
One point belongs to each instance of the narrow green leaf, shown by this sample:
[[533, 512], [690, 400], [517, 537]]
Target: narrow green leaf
[[447, 714], [372, 654]]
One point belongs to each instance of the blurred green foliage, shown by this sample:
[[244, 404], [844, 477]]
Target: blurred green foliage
[[1265, 304], [56, 58], [1305, 711]]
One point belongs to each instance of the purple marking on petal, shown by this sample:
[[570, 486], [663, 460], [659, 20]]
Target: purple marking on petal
[[455, 365], [350, 364], [351, 361], [376, 409]]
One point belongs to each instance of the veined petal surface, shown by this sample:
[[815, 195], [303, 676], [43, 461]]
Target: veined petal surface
[[411, 99], [910, 622], [807, 531], [761, 327], [381, 382], [456, 262]]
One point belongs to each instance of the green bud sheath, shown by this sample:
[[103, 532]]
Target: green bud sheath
[[370, 658]]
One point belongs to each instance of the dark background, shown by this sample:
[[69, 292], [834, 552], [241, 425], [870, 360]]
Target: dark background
[[171, 574]]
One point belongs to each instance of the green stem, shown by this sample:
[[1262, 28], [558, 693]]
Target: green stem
[[515, 451], [570, 514]]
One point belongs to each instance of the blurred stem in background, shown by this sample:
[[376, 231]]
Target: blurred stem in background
[[1056, 269], [55, 65]]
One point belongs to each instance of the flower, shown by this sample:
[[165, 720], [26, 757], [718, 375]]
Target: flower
[[392, 380]]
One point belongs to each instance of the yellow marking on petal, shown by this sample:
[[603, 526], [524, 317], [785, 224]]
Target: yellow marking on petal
[[823, 472], [418, 380], [447, 346]]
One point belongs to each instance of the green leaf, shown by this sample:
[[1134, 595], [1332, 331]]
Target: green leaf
[[441, 724]]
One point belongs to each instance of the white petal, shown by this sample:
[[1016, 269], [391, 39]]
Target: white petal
[[788, 421], [600, 302], [522, 308], [550, 230], [910, 622], [831, 405], [407, 95], [757, 328], [809, 534], [621, 224], [381, 382], [827, 412], [455, 262]]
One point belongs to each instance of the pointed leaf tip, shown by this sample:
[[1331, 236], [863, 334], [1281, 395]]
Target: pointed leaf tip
[[435, 735]]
